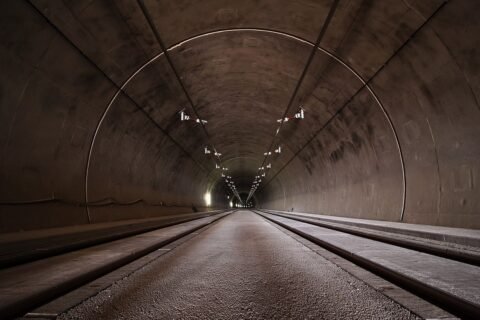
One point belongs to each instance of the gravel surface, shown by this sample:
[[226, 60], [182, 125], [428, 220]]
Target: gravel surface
[[240, 268]]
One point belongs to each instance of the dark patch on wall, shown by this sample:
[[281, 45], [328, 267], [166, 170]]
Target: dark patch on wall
[[308, 167], [319, 144], [333, 133], [356, 142], [431, 98], [337, 154], [370, 132]]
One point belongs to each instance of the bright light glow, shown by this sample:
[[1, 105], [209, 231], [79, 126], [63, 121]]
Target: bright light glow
[[231, 204], [208, 199]]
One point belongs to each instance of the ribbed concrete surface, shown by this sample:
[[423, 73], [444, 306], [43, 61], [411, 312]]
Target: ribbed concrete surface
[[240, 268], [462, 236], [454, 278], [27, 285]]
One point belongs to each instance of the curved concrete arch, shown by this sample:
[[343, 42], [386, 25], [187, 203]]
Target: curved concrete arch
[[90, 109], [260, 30]]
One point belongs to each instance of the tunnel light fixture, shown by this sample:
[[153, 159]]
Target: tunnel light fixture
[[300, 114], [269, 166], [223, 176], [208, 199], [184, 116], [217, 154], [263, 174], [225, 169], [267, 153], [278, 150], [201, 121], [217, 166], [261, 168], [207, 151]]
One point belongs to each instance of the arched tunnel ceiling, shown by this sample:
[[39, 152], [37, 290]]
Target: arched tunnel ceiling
[[385, 80], [239, 63]]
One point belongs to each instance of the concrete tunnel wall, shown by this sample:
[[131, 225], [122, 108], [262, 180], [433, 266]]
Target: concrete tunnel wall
[[89, 109]]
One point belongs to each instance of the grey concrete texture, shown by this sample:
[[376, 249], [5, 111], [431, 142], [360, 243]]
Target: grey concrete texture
[[453, 278], [447, 235], [405, 148], [21, 247], [463, 249], [241, 267], [29, 285]]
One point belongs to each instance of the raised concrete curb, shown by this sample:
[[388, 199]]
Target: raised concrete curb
[[456, 252], [417, 305], [451, 284], [27, 286], [466, 237], [28, 246]]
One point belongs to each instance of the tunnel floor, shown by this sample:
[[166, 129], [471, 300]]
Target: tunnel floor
[[241, 267]]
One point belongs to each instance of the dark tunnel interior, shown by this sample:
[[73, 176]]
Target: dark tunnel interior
[[114, 110]]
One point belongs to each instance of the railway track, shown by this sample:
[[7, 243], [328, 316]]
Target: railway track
[[447, 279], [26, 286]]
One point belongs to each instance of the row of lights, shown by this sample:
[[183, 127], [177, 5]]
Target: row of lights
[[231, 185], [185, 117], [262, 171], [238, 205]]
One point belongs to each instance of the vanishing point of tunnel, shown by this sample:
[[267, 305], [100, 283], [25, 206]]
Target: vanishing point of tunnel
[[227, 159]]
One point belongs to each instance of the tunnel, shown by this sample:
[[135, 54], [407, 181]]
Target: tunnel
[[119, 110], [91, 127]]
